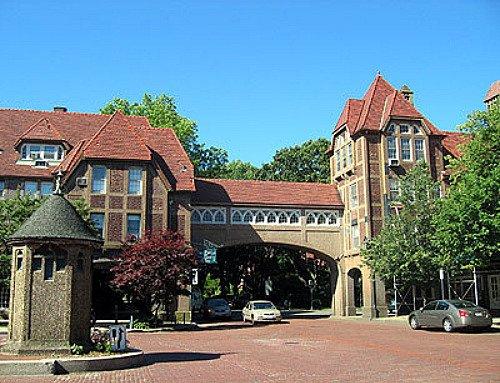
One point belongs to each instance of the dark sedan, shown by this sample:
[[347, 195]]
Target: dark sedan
[[450, 315]]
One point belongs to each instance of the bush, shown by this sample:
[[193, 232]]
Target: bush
[[4, 313], [100, 340], [76, 349], [141, 325]]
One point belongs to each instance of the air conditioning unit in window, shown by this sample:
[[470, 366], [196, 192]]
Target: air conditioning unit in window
[[81, 181], [393, 162], [41, 164]]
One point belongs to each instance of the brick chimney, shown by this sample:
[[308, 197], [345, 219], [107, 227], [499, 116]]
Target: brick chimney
[[60, 109], [407, 93]]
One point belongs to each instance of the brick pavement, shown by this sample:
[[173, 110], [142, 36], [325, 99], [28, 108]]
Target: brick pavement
[[306, 351]]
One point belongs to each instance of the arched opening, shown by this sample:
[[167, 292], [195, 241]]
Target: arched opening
[[290, 276], [354, 291]]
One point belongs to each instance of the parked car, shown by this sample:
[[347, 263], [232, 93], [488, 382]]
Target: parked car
[[216, 308], [260, 311], [450, 315]]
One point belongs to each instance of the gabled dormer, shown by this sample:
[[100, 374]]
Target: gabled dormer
[[41, 145]]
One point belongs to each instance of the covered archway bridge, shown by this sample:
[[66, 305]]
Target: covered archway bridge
[[304, 215]]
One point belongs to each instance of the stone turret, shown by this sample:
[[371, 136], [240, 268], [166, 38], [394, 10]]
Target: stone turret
[[51, 280]]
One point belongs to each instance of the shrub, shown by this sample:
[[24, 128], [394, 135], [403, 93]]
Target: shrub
[[76, 349], [100, 340]]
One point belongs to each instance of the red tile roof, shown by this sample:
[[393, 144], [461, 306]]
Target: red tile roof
[[41, 130], [493, 91], [117, 139], [380, 102], [92, 136], [265, 193], [453, 141]]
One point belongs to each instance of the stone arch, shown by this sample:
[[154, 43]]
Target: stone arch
[[354, 291]]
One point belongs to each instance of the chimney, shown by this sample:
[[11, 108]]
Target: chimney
[[407, 93], [61, 109]]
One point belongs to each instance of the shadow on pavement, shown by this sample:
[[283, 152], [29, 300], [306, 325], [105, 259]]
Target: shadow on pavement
[[236, 325], [171, 357]]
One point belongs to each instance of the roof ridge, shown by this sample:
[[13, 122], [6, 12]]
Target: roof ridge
[[67, 112], [264, 181]]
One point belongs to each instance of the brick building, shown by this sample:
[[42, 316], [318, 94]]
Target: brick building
[[137, 178]]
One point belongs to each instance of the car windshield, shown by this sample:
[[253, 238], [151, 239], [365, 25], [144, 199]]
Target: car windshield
[[263, 306], [463, 304], [217, 302]]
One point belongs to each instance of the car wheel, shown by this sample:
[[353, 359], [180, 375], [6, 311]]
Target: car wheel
[[447, 325], [414, 323]]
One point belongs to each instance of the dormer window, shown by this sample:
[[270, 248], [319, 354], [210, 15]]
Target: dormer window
[[42, 152]]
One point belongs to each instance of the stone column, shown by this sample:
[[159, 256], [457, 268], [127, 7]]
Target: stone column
[[375, 305], [338, 294]]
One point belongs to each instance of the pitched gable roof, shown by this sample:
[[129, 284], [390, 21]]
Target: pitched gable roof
[[493, 91], [42, 130], [265, 193], [117, 139], [380, 102], [453, 141]]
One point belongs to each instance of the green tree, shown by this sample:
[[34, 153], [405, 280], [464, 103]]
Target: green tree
[[404, 247], [239, 170], [161, 112], [302, 163], [468, 223], [13, 212]]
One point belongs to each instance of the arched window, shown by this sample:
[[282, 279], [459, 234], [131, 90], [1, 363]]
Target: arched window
[[332, 219], [321, 219], [282, 218], [195, 217], [247, 218], [207, 216], [311, 219], [294, 218], [219, 217], [236, 216], [259, 218], [271, 217]]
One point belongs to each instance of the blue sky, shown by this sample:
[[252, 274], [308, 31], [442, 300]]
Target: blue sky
[[255, 75]]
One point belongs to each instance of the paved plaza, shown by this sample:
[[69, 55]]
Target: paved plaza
[[302, 350]]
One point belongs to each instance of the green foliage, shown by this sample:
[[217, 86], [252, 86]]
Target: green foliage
[[238, 170], [404, 247], [77, 349], [211, 287], [100, 340], [162, 113], [302, 163], [468, 223], [141, 325]]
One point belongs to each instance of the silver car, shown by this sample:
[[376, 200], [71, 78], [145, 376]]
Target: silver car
[[450, 315]]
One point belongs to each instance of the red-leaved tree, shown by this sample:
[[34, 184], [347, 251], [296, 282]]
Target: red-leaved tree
[[155, 269]]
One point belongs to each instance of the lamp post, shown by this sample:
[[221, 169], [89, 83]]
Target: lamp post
[[441, 278]]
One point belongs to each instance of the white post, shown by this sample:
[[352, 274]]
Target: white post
[[476, 292], [395, 297]]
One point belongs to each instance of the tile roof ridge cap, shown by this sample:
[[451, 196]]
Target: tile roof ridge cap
[[264, 181], [68, 112], [99, 131], [361, 123]]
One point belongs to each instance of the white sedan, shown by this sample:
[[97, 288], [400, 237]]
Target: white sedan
[[261, 311]]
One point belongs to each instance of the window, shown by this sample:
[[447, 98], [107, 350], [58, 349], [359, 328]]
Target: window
[[294, 218], [19, 259], [337, 159], [405, 149], [416, 130], [247, 218], [259, 218], [42, 152], [46, 188], [98, 221], [393, 189], [219, 217], [391, 129], [60, 263], [135, 181], [271, 218], [37, 263], [354, 194], [419, 149], [430, 306], [282, 218], [442, 306], [311, 220], [355, 233], [236, 216], [404, 129], [48, 270], [99, 179], [391, 148], [30, 187], [49, 152], [206, 217], [321, 219], [133, 225], [196, 217], [349, 154]]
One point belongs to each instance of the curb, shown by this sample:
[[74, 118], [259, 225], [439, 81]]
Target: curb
[[69, 365]]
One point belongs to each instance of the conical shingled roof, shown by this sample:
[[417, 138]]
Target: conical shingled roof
[[56, 218]]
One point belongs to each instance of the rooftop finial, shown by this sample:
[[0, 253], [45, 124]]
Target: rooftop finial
[[57, 189]]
